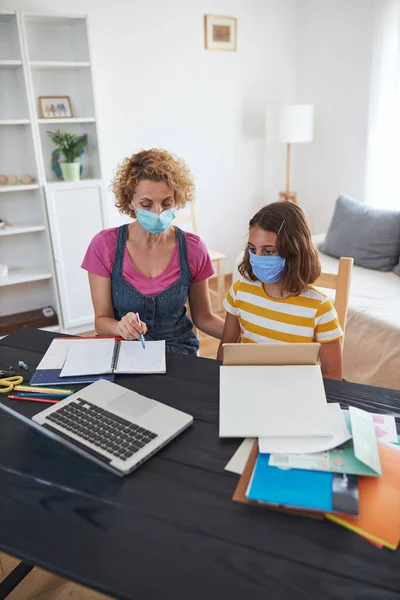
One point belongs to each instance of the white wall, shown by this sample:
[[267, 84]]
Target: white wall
[[334, 54], [155, 85]]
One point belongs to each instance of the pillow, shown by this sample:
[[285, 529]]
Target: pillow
[[397, 268], [369, 235]]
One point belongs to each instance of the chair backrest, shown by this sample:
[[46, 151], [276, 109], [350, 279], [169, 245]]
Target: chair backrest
[[340, 282], [186, 218]]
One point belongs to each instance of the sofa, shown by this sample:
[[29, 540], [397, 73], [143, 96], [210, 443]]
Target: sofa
[[371, 351]]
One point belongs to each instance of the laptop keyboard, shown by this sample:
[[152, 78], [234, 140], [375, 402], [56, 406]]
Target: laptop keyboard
[[107, 431]]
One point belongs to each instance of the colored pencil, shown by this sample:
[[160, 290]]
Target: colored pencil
[[44, 400], [54, 396], [43, 390]]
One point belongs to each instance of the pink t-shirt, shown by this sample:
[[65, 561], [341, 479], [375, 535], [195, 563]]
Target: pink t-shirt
[[99, 259]]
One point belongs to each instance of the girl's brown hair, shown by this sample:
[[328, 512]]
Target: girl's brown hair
[[294, 243], [155, 165]]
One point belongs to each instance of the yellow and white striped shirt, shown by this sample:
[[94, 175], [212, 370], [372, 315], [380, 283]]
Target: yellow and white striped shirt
[[305, 318]]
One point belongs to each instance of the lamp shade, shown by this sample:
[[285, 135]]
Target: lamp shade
[[292, 124]]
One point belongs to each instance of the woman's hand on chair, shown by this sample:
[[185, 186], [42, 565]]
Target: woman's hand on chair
[[129, 328]]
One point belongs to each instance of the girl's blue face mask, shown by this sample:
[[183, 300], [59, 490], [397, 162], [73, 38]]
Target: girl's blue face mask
[[153, 222], [267, 269]]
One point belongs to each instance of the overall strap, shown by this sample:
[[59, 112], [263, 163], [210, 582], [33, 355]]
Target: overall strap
[[183, 256], [120, 248]]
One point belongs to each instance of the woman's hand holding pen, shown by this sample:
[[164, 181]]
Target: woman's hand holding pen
[[130, 328]]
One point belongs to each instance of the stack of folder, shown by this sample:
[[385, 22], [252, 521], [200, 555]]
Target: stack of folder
[[354, 483]]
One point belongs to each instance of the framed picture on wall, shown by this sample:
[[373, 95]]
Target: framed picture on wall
[[220, 32], [55, 107]]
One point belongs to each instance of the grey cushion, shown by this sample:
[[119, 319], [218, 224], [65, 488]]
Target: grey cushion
[[369, 235], [397, 269]]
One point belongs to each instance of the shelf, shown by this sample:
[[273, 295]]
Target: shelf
[[82, 183], [18, 188], [22, 228], [53, 19], [16, 276], [10, 64], [67, 120], [15, 122], [50, 64]]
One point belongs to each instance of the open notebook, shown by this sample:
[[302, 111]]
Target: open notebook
[[107, 355]]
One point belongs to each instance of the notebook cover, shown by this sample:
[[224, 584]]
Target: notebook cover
[[307, 490], [52, 377], [379, 513], [240, 492]]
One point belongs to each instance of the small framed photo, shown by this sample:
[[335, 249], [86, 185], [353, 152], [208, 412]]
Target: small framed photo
[[220, 32], [55, 107]]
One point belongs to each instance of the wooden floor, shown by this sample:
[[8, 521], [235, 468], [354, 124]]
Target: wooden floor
[[42, 585]]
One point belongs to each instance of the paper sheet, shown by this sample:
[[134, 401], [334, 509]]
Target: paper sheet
[[89, 357], [292, 404], [307, 445], [337, 460], [55, 356], [238, 461], [134, 359], [364, 438]]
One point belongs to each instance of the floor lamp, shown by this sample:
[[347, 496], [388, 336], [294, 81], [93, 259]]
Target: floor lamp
[[292, 124]]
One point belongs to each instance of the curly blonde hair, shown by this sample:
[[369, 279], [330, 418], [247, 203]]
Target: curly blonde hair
[[155, 165]]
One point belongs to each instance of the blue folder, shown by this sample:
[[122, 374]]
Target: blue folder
[[291, 487]]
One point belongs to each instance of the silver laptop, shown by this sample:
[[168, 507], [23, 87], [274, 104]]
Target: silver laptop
[[112, 426]]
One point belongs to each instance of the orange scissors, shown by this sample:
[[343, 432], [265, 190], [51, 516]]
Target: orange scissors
[[7, 384]]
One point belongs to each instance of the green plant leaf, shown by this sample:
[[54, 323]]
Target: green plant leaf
[[69, 145]]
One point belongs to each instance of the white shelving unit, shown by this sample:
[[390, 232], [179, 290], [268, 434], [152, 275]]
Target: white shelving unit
[[46, 55]]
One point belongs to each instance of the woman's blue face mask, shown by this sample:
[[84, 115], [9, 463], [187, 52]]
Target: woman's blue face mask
[[155, 223], [267, 269]]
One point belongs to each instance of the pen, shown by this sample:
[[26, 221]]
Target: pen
[[44, 400], [141, 335]]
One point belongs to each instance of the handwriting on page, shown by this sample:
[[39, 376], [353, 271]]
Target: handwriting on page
[[133, 359]]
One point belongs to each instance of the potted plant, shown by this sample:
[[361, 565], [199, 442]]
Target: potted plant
[[71, 147]]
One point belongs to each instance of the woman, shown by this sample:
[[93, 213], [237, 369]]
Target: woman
[[149, 268]]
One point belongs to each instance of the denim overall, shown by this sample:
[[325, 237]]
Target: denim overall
[[165, 313]]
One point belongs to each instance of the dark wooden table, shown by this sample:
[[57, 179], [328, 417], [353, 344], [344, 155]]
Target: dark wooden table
[[170, 530]]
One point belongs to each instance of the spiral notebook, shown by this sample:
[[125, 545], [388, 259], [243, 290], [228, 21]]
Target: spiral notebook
[[48, 370], [101, 356]]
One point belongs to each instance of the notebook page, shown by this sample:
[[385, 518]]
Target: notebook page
[[89, 357], [56, 355], [134, 359]]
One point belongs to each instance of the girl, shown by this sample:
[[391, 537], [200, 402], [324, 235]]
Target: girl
[[274, 301]]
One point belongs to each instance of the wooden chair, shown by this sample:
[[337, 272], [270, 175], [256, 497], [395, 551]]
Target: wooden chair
[[340, 282], [187, 219]]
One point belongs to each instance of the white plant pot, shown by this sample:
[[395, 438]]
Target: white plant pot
[[70, 171]]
